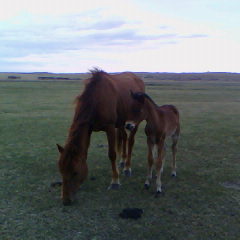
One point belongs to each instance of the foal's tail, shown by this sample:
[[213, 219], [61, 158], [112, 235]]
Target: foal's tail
[[176, 112], [174, 109]]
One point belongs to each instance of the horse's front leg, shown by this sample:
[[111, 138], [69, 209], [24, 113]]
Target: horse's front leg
[[130, 142], [122, 146], [111, 136]]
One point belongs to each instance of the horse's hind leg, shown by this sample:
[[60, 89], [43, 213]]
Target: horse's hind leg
[[163, 159], [174, 152], [158, 163]]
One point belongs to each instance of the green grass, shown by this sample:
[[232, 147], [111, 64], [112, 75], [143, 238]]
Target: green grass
[[34, 116]]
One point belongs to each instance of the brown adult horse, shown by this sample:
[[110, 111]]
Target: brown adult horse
[[162, 122], [105, 105]]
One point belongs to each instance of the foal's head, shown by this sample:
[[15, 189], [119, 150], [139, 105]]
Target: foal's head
[[73, 171], [138, 113]]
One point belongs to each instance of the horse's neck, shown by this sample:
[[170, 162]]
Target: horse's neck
[[79, 139]]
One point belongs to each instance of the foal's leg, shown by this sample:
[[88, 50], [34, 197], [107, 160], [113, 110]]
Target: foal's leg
[[124, 147], [159, 162], [131, 140], [150, 164], [163, 159], [174, 152], [111, 136]]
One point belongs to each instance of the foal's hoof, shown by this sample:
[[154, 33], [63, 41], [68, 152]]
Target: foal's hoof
[[146, 186], [127, 173], [121, 165], [114, 186], [159, 194]]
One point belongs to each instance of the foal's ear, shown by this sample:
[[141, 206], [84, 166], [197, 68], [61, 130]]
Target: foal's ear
[[139, 96], [132, 93], [60, 148]]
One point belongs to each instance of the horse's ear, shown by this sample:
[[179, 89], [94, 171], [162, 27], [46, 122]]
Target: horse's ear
[[60, 148]]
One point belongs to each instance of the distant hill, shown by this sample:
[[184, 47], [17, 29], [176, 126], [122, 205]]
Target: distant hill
[[209, 76], [146, 76], [41, 76]]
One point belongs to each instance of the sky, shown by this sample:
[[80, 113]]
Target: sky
[[73, 36]]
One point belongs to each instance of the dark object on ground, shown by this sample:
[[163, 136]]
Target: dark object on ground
[[93, 178], [102, 145], [56, 184], [133, 213]]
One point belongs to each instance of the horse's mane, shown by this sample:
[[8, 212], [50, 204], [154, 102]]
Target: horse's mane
[[86, 104]]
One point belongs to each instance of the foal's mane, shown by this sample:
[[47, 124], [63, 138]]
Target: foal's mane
[[149, 98], [139, 95]]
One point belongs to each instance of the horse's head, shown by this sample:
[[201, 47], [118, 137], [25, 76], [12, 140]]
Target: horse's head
[[73, 170]]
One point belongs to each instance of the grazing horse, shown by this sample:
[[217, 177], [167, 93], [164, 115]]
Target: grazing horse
[[162, 122], [105, 105]]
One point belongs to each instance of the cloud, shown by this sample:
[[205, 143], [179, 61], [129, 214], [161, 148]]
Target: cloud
[[36, 34], [195, 36], [116, 33], [106, 25], [39, 35]]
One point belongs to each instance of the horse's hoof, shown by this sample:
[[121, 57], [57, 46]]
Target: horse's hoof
[[114, 186], [146, 186], [127, 173], [158, 194], [67, 202], [121, 165]]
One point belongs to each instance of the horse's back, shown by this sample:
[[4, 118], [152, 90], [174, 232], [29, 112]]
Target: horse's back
[[170, 117], [124, 84], [111, 98], [128, 81]]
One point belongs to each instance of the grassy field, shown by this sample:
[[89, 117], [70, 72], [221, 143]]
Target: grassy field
[[202, 203]]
